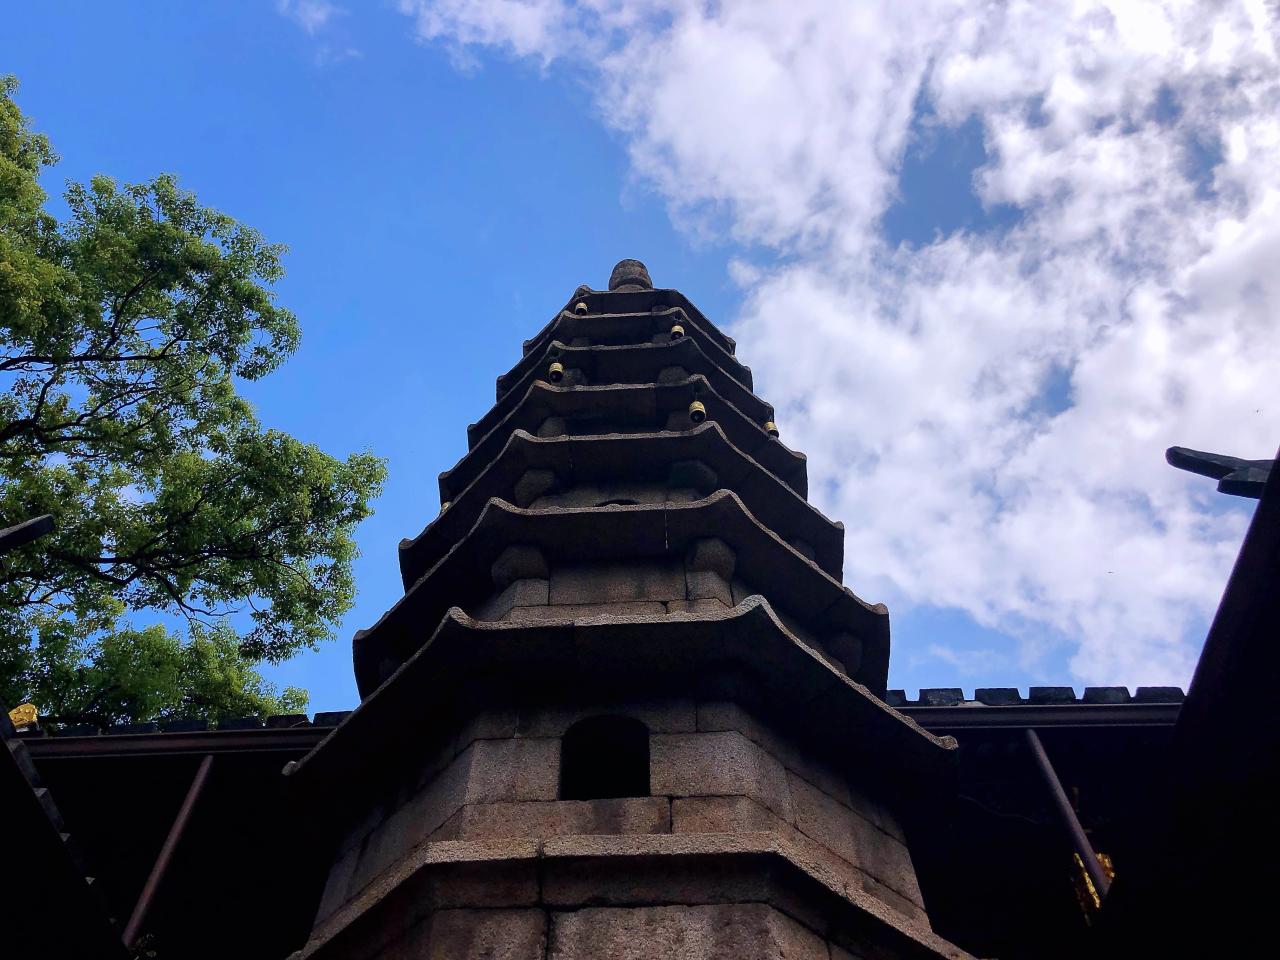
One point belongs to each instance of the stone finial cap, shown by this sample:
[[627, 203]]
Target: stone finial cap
[[630, 273]]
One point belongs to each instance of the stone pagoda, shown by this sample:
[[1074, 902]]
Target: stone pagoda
[[625, 707]]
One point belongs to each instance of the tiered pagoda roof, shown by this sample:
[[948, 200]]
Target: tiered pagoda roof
[[628, 433]]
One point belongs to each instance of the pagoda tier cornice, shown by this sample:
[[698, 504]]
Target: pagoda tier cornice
[[638, 363], [744, 653], [636, 301], [646, 406], [617, 328], [764, 561], [643, 457]]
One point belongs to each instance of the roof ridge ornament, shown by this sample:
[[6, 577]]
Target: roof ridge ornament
[[1240, 478], [630, 275]]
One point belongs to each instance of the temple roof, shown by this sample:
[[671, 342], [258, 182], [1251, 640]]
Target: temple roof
[[654, 456], [647, 406], [765, 561]]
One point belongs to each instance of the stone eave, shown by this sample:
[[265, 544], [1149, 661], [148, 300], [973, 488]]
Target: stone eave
[[636, 326], [637, 363], [639, 402], [749, 867], [744, 654], [637, 301], [632, 455], [462, 576]]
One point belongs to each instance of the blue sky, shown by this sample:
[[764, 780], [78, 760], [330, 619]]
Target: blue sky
[[442, 194]]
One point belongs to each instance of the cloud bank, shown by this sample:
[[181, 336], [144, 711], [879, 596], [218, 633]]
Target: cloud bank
[[987, 412]]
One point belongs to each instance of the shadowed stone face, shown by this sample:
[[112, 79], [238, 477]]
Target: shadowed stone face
[[630, 275]]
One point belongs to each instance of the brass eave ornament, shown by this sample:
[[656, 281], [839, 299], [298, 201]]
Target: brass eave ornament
[[580, 307], [24, 715], [771, 428], [555, 372], [697, 412], [677, 332]]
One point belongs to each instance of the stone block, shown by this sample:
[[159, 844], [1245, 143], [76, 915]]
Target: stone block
[[682, 495], [678, 421], [660, 716], [1159, 695], [617, 582], [941, 696], [711, 553], [629, 815], [581, 611], [740, 815], [846, 649], [717, 764], [521, 593], [826, 820], [534, 484], [726, 715], [644, 869], [475, 935], [499, 723], [519, 562], [804, 548], [707, 585], [498, 873], [1052, 695], [695, 474], [330, 718], [749, 931], [673, 375], [413, 820], [451, 829], [720, 815], [706, 605], [553, 427], [1106, 695], [889, 862], [338, 883], [890, 897], [741, 591], [998, 696], [525, 768]]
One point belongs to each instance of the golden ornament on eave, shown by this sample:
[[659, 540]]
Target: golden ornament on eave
[[23, 715]]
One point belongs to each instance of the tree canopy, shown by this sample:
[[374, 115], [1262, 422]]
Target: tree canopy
[[192, 543]]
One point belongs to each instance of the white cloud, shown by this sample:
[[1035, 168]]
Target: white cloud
[[919, 379], [310, 15]]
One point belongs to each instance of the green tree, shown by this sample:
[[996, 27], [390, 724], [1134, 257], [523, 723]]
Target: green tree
[[123, 331]]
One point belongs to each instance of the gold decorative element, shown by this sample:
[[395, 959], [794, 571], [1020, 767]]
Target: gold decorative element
[[23, 715], [580, 307], [771, 428], [445, 506], [555, 372], [677, 332], [697, 412], [1086, 893]]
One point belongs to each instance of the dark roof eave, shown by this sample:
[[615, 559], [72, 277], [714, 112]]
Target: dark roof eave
[[706, 655], [707, 442], [645, 530]]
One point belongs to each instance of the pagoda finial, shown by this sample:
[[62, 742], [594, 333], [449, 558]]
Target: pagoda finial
[[630, 275]]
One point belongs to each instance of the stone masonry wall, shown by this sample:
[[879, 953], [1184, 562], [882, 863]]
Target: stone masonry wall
[[528, 588], [714, 769], [748, 931]]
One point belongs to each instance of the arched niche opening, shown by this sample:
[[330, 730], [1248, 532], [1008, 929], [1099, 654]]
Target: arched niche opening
[[604, 757]]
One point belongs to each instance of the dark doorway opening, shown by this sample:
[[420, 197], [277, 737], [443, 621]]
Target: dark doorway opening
[[602, 757]]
